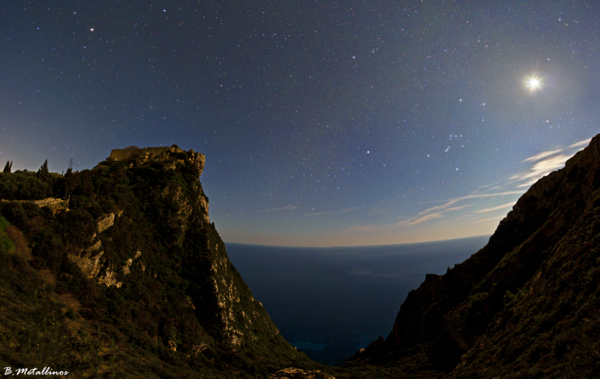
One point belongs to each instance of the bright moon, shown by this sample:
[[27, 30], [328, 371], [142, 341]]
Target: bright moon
[[534, 83]]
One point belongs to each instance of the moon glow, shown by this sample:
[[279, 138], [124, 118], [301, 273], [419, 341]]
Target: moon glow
[[533, 83]]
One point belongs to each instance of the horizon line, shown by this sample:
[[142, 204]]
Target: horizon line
[[336, 246]]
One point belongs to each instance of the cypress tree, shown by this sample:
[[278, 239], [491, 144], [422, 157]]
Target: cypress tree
[[43, 172], [8, 167], [71, 182]]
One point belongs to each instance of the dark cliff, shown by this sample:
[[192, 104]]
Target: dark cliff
[[127, 277], [119, 272], [525, 305]]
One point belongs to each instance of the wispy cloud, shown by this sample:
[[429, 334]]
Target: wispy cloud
[[334, 212], [475, 195], [480, 195], [584, 143], [426, 215], [439, 210], [288, 208], [543, 155], [546, 162], [488, 220], [420, 219], [498, 207], [540, 169], [542, 164]]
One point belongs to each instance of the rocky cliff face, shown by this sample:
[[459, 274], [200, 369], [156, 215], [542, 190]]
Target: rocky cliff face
[[138, 258], [167, 157], [524, 305]]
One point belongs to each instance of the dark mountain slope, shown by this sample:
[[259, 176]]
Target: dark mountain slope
[[524, 305], [126, 276]]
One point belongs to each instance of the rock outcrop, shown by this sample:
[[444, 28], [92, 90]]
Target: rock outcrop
[[169, 157], [90, 261], [296, 373], [106, 222], [525, 303], [55, 204], [148, 257], [225, 299]]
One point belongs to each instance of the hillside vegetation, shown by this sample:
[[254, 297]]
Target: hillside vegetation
[[131, 281]]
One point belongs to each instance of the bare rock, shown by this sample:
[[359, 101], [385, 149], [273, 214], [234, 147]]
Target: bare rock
[[197, 349], [168, 156], [126, 268], [93, 248], [55, 204], [296, 373], [106, 222], [110, 279], [204, 205], [90, 267]]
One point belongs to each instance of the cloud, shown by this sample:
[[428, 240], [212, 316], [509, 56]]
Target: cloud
[[543, 163], [496, 208], [541, 168], [584, 143], [334, 212], [439, 210], [427, 216], [546, 162], [418, 220], [288, 208], [475, 195], [542, 155], [489, 220]]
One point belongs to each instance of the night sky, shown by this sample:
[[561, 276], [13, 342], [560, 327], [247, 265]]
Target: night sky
[[323, 123]]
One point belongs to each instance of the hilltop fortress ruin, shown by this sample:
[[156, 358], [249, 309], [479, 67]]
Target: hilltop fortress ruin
[[169, 156]]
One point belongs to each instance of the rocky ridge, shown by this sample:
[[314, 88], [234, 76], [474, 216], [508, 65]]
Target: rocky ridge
[[235, 308], [526, 303]]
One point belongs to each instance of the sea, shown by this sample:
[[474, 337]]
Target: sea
[[330, 302]]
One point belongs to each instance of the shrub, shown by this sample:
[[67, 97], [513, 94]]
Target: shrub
[[18, 238]]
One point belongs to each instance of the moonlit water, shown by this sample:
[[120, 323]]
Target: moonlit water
[[329, 302]]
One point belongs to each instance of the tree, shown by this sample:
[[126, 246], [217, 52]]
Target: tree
[[43, 173], [8, 167]]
